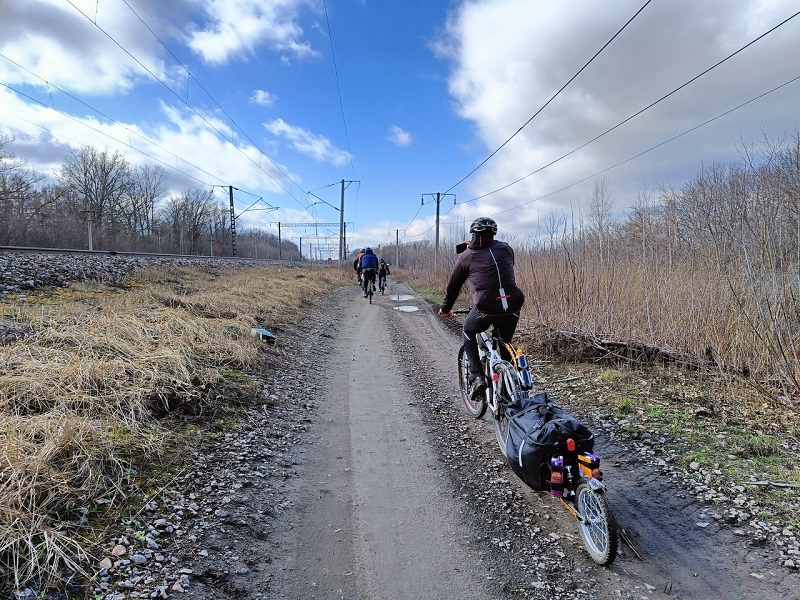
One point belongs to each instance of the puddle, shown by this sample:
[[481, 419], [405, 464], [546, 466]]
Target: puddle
[[399, 297], [406, 308]]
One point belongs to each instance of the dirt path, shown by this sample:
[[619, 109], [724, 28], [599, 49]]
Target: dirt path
[[375, 517], [377, 484]]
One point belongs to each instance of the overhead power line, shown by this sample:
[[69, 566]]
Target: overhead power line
[[341, 101], [190, 107], [643, 152], [620, 124], [639, 112], [561, 89]]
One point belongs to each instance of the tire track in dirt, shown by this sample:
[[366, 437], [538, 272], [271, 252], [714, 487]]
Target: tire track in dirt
[[394, 491], [679, 558]]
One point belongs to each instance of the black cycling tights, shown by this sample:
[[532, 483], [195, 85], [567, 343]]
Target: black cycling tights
[[477, 322]]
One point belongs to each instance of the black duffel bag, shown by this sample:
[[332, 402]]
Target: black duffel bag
[[537, 430]]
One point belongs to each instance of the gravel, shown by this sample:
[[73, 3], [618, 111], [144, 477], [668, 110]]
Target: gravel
[[202, 527]]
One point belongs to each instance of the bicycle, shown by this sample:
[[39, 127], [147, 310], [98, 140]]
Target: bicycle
[[369, 284], [381, 283], [572, 474], [506, 373]]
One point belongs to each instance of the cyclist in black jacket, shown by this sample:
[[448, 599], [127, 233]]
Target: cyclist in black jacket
[[487, 267], [383, 271]]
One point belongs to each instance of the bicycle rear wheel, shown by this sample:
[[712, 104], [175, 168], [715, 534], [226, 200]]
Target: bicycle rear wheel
[[597, 527], [509, 385], [474, 407]]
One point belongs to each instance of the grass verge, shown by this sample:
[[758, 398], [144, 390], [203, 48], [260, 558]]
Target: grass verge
[[103, 384]]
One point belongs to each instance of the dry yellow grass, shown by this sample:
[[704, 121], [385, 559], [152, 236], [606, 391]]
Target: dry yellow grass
[[82, 393]]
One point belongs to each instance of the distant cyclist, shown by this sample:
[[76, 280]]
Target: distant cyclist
[[486, 265], [357, 266], [368, 265], [383, 271]]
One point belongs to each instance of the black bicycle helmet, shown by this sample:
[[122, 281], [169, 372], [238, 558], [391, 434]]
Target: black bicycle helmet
[[483, 225]]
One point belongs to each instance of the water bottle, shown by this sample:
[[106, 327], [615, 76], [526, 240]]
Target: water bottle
[[522, 367], [557, 476]]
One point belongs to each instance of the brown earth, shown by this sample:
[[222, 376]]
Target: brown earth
[[358, 474]]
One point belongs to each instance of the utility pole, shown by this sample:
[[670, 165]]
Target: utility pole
[[397, 248], [439, 197], [342, 248], [89, 220], [341, 228], [301, 248], [233, 221], [278, 223]]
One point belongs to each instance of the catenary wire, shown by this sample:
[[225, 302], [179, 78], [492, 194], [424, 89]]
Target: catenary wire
[[341, 101], [102, 114], [200, 85], [121, 142], [41, 141], [643, 152], [190, 107], [561, 89]]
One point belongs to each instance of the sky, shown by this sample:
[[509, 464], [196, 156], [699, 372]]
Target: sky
[[514, 109]]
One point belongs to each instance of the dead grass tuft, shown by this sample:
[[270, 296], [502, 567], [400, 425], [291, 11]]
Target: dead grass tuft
[[82, 391]]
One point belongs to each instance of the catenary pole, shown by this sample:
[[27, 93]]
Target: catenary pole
[[233, 221], [341, 228]]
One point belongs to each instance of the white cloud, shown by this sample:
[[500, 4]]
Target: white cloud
[[184, 143], [399, 137], [310, 144], [263, 97], [237, 27], [81, 46], [499, 82]]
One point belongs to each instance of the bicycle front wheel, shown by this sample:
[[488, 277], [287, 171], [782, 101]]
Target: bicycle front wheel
[[597, 526], [474, 407]]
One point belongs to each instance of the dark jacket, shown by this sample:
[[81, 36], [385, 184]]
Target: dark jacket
[[383, 268], [485, 271], [369, 261]]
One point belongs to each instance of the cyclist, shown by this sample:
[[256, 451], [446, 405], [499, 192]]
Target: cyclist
[[368, 265], [357, 266], [383, 271], [486, 265]]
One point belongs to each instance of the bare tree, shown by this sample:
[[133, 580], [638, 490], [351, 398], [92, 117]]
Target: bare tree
[[599, 215], [188, 219], [18, 186], [98, 182], [145, 190]]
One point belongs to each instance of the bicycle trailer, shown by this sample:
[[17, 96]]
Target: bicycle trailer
[[537, 430]]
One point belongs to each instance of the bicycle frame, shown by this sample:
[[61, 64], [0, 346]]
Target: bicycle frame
[[498, 367], [573, 473]]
